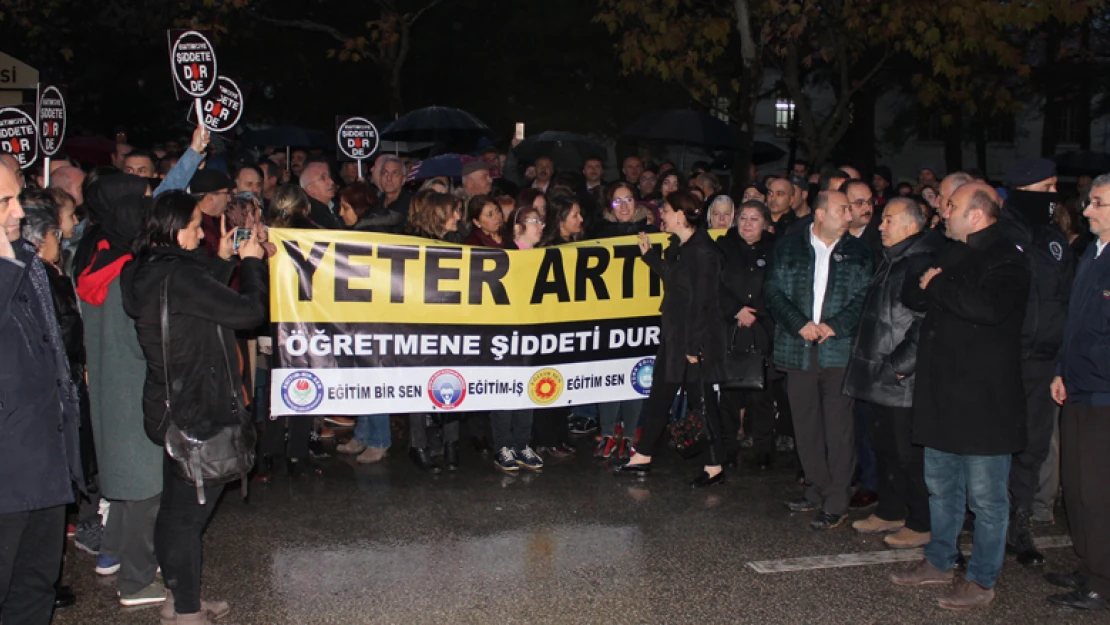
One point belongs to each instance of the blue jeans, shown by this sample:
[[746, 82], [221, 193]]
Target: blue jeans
[[373, 431], [956, 483]]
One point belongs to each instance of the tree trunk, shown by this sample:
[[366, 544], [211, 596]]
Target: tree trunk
[[981, 121], [953, 142], [862, 148], [751, 79], [1053, 105], [1085, 89]]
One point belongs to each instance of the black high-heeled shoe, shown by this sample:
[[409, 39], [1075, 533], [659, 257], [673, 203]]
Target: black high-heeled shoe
[[703, 480], [451, 455], [423, 461], [636, 470]]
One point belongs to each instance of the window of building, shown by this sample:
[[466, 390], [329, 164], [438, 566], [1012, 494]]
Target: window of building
[[1001, 128], [784, 116], [1069, 128]]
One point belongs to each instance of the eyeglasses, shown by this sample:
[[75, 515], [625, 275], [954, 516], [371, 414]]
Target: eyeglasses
[[616, 203], [863, 202]]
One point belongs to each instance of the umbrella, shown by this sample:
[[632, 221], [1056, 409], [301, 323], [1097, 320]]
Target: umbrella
[[1079, 162], [446, 165], [435, 123], [568, 150], [287, 136], [405, 147], [684, 126], [763, 152]]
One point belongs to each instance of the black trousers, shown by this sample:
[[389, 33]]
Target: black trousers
[[30, 562], [424, 434], [759, 419], [824, 434], [1085, 471], [550, 427], [901, 468], [177, 535], [274, 442], [657, 411], [1040, 423], [785, 423]]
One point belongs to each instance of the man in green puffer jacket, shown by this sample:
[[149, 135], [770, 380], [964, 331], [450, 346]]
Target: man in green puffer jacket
[[816, 283]]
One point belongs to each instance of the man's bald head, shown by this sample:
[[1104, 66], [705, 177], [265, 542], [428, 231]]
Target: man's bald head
[[948, 186], [69, 179], [975, 206]]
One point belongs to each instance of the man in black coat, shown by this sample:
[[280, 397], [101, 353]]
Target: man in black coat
[[318, 185], [39, 414], [881, 373], [969, 404], [1027, 220]]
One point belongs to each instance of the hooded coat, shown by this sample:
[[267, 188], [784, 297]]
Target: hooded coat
[[130, 465]]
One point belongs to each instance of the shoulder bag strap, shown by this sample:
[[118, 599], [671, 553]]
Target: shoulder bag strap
[[164, 315]]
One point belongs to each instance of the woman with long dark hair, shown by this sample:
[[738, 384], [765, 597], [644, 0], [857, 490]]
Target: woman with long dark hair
[[692, 346], [486, 221], [195, 364], [563, 221]]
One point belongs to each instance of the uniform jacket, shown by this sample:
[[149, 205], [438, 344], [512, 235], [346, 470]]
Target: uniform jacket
[[969, 398], [1085, 355], [788, 291]]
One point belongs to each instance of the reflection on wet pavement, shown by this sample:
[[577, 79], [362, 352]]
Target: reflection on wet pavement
[[574, 544]]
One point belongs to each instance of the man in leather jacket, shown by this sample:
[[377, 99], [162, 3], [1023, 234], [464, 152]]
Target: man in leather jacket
[[1027, 222], [881, 372]]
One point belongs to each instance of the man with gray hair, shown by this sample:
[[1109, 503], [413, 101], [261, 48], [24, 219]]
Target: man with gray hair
[[948, 186], [391, 183], [320, 188], [70, 180], [881, 372]]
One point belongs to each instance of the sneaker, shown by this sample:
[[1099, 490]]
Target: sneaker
[[563, 450], [326, 432], [71, 530], [965, 595], [154, 593], [88, 536], [340, 422], [906, 538], [372, 455], [921, 574], [106, 564], [583, 425], [506, 460], [875, 525], [351, 447], [529, 459], [606, 447], [801, 504], [825, 521]]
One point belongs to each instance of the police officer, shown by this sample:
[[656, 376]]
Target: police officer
[[1027, 221]]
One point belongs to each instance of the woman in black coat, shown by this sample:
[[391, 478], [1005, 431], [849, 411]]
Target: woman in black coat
[[692, 351], [197, 364], [747, 249]]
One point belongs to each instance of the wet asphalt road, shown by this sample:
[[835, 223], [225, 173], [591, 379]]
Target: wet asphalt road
[[574, 544]]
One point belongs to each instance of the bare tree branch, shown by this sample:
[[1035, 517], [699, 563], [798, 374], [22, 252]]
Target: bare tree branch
[[305, 25]]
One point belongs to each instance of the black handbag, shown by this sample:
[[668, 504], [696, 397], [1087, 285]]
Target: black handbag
[[690, 433], [745, 369], [221, 458]]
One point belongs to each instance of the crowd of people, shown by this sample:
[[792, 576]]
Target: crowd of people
[[920, 340]]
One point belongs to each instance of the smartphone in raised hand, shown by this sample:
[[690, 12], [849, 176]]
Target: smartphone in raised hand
[[519, 135]]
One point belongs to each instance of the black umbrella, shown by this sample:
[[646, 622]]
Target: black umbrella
[[568, 150], [288, 136], [436, 123], [1080, 162], [763, 152], [684, 126]]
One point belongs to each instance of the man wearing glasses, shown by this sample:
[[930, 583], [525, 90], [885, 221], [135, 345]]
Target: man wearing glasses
[[861, 202], [212, 190]]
